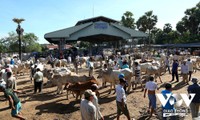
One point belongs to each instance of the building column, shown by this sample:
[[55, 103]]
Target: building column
[[61, 44]]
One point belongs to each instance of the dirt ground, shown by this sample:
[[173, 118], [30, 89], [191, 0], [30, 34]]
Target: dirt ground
[[50, 106]]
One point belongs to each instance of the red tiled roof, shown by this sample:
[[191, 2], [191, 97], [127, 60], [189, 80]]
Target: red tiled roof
[[50, 46]]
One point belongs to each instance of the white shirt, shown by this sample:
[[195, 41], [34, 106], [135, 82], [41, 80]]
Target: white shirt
[[120, 93], [116, 67], [96, 104], [190, 65], [175, 57], [167, 62], [184, 69], [69, 59], [88, 110], [91, 64], [151, 86], [38, 76]]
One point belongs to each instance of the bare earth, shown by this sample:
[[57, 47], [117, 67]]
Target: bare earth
[[49, 106]]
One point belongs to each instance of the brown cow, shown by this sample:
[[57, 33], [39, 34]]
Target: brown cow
[[80, 87]]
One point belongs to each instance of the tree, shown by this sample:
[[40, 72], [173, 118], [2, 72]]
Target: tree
[[180, 27], [19, 31], [147, 22], [167, 28], [28, 40], [188, 26], [128, 20], [29, 43], [18, 21]]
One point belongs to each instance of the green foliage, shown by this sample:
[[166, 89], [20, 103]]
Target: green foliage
[[29, 43], [146, 23], [167, 28], [84, 44], [128, 20], [36, 47], [188, 26]]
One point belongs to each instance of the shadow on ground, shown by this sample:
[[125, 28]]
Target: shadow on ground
[[60, 107]]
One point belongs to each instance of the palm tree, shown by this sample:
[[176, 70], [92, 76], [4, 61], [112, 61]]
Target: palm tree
[[19, 31], [18, 21]]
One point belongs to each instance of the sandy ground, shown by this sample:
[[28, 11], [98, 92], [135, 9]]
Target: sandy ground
[[50, 106]]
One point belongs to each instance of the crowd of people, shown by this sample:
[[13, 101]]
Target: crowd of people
[[89, 107]]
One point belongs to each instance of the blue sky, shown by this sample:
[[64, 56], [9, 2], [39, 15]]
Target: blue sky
[[43, 16]]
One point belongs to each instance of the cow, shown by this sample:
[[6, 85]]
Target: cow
[[155, 70], [111, 76], [79, 87], [62, 78]]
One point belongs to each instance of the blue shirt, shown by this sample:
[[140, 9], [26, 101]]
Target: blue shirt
[[12, 62], [195, 88], [174, 67], [168, 105], [125, 66]]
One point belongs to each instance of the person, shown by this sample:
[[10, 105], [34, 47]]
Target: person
[[61, 55], [175, 70], [195, 104], [184, 72], [167, 64], [2, 82], [88, 109], [190, 66], [122, 76], [91, 67], [115, 67], [168, 106], [125, 64], [151, 86], [11, 81], [121, 99], [51, 60], [76, 61], [105, 67], [69, 58], [137, 71], [143, 59], [94, 89], [129, 62], [14, 100], [120, 63], [12, 62], [38, 80]]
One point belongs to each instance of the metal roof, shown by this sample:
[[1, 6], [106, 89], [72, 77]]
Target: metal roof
[[95, 19], [94, 30]]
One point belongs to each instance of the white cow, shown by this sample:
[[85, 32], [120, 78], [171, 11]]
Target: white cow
[[111, 76]]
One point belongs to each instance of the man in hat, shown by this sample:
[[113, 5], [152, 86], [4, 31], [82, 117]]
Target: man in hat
[[122, 76], [194, 105], [14, 100], [121, 98], [88, 110], [94, 89]]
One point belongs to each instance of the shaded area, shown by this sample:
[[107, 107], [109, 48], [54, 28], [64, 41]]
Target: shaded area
[[60, 107], [179, 85]]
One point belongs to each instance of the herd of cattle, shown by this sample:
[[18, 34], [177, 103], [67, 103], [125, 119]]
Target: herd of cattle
[[63, 73]]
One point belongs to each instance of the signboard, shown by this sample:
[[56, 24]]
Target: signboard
[[101, 25]]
